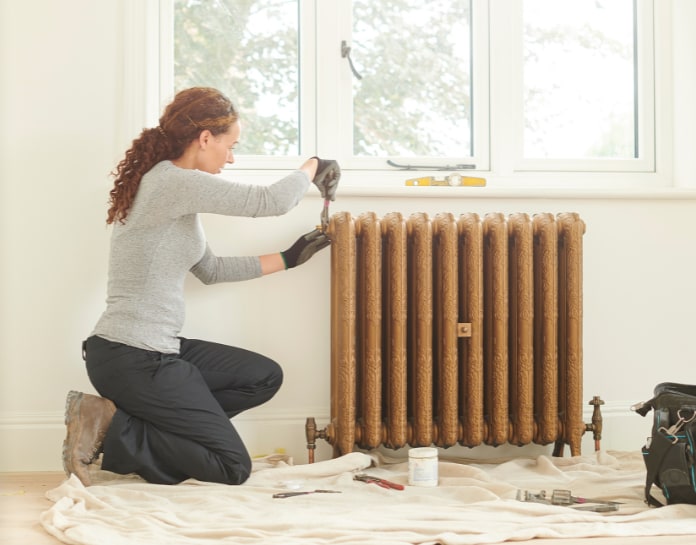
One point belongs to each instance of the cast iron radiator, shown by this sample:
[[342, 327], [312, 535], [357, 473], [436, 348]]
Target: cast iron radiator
[[455, 330]]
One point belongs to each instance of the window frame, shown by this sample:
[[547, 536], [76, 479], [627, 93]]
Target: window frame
[[145, 93], [337, 111], [645, 108]]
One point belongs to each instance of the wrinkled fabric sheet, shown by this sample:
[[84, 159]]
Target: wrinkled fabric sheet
[[475, 503]]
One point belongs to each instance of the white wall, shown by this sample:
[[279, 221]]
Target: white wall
[[60, 98]]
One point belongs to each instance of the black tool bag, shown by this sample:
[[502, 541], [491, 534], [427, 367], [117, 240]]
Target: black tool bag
[[669, 453]]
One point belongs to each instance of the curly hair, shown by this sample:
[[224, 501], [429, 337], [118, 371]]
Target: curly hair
[[191, 112]]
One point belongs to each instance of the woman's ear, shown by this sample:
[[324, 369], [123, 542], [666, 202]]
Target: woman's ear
[[204, 138]]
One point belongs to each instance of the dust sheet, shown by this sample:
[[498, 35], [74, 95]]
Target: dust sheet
[[474, 503]]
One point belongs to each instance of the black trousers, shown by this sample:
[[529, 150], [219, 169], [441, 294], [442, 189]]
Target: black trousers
[[173, 410]]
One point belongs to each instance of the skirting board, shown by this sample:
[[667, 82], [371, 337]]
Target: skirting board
[[33, 441]]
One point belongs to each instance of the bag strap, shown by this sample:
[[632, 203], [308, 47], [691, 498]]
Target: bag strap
[[649, 498], [666, 389], [644, 407], [652, 469]]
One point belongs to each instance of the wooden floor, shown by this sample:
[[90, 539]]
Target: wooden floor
[[22, 500]]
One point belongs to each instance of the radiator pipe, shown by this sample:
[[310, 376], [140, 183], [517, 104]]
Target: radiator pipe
[[596, 426], [312, 433]]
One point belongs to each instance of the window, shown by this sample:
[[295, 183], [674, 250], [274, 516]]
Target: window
[[585, 77], [248, 50], [506, 87], [579, 79], [412, 95]]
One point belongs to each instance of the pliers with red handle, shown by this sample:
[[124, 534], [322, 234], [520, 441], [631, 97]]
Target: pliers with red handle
[[379, 482]]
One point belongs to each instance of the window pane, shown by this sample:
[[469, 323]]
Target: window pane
[[248, 50], [579, 79], [415, 95]]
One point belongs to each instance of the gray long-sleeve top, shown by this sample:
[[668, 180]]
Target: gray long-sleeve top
[[162, 239]]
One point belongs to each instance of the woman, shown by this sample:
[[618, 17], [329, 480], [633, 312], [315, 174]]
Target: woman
[[167, 401]]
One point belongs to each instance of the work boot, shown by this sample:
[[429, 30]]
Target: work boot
[[87, 418]]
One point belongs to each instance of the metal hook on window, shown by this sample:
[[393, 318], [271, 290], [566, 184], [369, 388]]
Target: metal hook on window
[[459, 166], [345, 54]]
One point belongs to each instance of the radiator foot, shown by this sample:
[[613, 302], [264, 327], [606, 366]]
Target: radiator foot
[[596, 426]]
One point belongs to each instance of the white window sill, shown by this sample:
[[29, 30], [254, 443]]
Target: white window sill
[[547, 185]]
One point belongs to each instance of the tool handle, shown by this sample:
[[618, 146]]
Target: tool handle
[[289, 494], [388, 484]]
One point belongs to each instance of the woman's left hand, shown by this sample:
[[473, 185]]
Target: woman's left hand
[[304, 248]]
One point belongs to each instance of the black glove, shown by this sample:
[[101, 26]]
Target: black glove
[[326, 178], [304, 248]]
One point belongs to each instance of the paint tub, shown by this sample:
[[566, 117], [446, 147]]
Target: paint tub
[[422, 466]]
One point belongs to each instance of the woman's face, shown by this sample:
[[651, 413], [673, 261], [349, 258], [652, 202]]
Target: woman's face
[[219, 150]]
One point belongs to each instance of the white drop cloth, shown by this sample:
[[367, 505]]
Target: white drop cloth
[[475, 502]]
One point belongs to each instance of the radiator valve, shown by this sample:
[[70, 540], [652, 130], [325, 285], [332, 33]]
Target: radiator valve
[[596, 426]]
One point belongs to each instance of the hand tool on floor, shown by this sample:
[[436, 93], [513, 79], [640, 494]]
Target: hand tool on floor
[[599, 508], [379, 482], [291, 494], [565, 498], [577, 499]]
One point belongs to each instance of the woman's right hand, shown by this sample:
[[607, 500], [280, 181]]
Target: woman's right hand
[[326, 178]]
